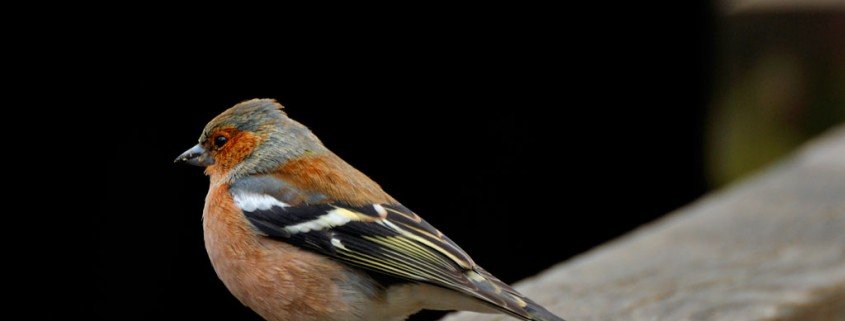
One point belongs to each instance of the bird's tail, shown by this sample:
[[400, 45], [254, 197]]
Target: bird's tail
[[539, 313], [506, 299]]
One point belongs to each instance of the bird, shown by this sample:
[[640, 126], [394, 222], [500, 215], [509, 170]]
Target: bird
[[297, 234]]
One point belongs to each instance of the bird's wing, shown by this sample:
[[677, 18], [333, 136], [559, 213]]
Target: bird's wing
[[385, 238]]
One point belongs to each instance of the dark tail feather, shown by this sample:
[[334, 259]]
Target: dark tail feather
[[539, 313], [506, 299]]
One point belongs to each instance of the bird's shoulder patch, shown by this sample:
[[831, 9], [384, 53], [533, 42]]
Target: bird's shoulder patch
[[328, 174], [266, 191]]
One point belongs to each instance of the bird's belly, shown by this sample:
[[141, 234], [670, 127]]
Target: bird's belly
[[276, 280]]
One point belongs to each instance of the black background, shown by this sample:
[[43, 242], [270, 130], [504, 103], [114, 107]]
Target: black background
[[528, 136]]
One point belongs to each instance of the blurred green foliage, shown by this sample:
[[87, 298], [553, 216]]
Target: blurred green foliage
[[780, 81]]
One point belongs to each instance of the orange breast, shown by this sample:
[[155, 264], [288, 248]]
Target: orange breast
[[275, 279]]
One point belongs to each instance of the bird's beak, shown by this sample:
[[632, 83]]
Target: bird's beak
[[197, 156]]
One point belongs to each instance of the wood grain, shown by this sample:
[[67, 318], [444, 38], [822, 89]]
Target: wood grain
[[771, 247]]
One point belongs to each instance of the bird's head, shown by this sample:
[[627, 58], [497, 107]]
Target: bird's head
[[254, 136]]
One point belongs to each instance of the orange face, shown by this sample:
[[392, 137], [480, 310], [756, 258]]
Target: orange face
[[229, 146]]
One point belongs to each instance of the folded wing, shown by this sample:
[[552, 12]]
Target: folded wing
[[385, 238]]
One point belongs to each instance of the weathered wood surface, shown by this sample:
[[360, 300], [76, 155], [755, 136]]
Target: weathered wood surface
[[771, 247]]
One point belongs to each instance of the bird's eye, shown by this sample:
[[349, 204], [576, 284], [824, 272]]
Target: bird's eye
[[219, 141]]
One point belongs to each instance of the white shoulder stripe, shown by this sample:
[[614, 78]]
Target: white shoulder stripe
[[250, 201], [335, 217]]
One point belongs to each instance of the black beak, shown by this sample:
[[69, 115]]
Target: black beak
[[196, 156]]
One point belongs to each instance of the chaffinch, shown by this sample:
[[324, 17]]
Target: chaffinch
[[296, 233]]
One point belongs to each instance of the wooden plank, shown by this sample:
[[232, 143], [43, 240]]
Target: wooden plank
[[771, 247]]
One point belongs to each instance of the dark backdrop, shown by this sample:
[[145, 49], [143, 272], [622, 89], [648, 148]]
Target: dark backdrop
[[527, 139]]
